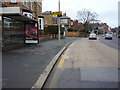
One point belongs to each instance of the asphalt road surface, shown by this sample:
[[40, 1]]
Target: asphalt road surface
[[114, 43], [86, 64]]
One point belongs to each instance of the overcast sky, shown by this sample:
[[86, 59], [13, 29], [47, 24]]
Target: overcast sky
[[106, 9]]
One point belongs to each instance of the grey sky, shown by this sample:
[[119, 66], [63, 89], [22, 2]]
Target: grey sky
[[106, 9]]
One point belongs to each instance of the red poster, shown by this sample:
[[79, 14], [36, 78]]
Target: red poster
[[31, 33]]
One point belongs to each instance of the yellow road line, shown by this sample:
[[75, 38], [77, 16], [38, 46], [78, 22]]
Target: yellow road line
[[68, 49], [61, 61]]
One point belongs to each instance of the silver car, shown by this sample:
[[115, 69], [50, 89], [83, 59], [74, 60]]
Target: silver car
[[93, 36], [108, 36]]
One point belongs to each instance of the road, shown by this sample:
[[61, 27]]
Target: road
[[86, 64], [115, 43]]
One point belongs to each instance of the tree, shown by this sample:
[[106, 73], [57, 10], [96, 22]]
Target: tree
[[86, 16]]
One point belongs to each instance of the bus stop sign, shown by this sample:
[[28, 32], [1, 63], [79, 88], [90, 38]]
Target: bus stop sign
[[57, 13]]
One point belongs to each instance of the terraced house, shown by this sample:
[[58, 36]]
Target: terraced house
[[16, 15]]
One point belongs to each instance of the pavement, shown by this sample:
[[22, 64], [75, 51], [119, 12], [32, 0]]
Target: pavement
[[86, 64], [22, 67]]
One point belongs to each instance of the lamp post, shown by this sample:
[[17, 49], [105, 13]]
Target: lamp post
[[59, 24]]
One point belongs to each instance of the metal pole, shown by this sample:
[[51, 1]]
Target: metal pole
[[59, 25]]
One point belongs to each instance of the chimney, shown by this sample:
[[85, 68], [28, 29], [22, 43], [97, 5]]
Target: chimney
[[64, 14]]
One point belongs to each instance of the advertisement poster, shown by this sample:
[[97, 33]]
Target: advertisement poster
[[31, 33]]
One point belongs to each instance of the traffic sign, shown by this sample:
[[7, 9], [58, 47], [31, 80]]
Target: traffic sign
[[57, 13]]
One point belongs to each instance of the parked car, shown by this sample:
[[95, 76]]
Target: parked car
[[108, 36], [93, 36]]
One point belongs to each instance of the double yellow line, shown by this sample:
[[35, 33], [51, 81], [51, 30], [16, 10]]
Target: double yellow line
[[62, 61]]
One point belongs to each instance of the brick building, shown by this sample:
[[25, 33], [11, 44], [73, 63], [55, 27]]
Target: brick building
[[47, 18], [64, 20], [30, 8], [78, 26], [50, 19]]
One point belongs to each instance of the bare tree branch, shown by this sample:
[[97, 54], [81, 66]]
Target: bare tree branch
[[86, 16]]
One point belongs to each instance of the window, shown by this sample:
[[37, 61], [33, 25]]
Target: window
[[64, 21], [26, 3], [54, 21], [31, 4], [46, 22], [40, 23], [0, 17], [23, 1], [13, 1], [71, 23], [40, 9]]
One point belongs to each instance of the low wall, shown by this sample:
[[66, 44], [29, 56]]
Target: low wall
[[72, 34], [48, 37]]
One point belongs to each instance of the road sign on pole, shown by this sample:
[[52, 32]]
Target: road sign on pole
[[57, 13]]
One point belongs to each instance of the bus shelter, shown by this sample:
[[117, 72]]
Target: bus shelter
[[18, 30]]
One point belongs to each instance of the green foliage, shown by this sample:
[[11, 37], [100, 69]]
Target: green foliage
[[82, 34], [118, 33], [71, 30], [53, 29], [96, 28]]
